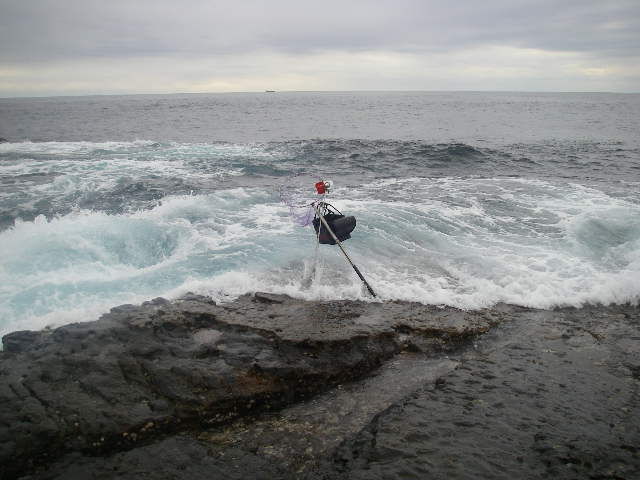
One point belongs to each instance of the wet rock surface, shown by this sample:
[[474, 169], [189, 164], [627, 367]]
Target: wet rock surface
[[276, 388], [147, 386], [550, 394]]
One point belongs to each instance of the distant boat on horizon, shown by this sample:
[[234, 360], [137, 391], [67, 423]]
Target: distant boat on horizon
[[269, 91]]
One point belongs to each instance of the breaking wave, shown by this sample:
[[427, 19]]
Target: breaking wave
[[465, 242]]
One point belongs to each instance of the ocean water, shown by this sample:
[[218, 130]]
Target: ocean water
[[462, 199]]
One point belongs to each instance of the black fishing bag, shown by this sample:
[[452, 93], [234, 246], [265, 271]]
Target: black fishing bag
[[341, 226]]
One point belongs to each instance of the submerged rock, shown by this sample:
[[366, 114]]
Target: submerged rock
[[142, 373]]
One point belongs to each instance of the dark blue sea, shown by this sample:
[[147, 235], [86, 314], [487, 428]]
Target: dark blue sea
[[462, 199]]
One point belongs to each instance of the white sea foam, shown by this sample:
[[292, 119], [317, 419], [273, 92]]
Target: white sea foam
[[469, 243], [164, 150], [61, 176], [55, 269], [66, 148]]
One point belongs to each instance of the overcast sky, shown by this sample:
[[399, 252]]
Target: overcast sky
[[69, 47]]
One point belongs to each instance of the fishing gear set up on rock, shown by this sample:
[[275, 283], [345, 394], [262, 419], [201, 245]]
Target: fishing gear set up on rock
[[331, 226]]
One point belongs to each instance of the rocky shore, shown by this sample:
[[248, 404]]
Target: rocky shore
[[271, 387]]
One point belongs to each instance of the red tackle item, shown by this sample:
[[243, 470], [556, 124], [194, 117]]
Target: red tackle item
[[320, 188]]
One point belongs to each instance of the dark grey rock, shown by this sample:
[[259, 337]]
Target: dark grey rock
[[140, 373], [548, 394], [17, 342], [178, 457], [269, 298], [271, 387]]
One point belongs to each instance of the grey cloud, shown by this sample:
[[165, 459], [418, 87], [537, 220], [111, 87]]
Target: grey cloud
[[41, 30]]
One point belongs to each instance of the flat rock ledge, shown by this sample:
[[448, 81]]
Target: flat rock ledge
[[147, 374]]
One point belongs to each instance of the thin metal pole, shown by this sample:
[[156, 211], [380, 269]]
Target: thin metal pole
[[333, 235]]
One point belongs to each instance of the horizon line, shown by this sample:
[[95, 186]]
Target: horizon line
[[43, 96]]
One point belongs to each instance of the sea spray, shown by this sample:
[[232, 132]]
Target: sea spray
[[444, 241]]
